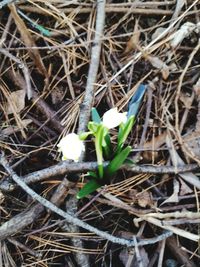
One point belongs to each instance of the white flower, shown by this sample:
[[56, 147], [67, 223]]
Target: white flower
[[112, 118], [71, 147]]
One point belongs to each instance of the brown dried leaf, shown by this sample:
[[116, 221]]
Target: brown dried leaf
[[133, 43], [156, 142], [197, 87], [57, 95], [153, 144], [16, 102], [143, 199], [28, 40]]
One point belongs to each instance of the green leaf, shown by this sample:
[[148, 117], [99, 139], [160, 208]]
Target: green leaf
[[117, 162], [92, 174], [99, 138], [124, 132], [121, 128], [95, 116], [105, 137], [107, 148], [88, 188], [93, 127], [84, 135], [100, 168]]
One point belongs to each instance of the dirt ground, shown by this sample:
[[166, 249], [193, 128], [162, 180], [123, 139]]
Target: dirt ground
[[58, 59]]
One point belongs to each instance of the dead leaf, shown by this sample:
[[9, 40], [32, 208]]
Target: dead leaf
[[156, 142], [127, 255], [174, 197], [129, 259], [13, 129], [158, 32], [185, 30], [144, 258], [57, 95], [184, 188], [197, 87], [177, 161], [160, 65], [192, 142], [191, 179], [16, 102], [187, 100], [143, 198], [133, 43], [28, 40], [153, 144]]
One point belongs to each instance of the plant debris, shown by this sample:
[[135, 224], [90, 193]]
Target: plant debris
[[58, 60]]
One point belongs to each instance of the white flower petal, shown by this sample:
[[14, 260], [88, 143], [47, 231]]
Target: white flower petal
[[71, 147], [112, 118]]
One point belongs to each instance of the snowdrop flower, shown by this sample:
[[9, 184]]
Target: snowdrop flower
[[71, 147], [112, 118]]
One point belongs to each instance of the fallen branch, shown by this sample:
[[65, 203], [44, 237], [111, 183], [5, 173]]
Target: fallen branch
[[20, 221], [73, 220], [85, 110], [93, 69], [65, 167]]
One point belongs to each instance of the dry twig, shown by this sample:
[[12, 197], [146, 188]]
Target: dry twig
[[73, 220], [65, 167]]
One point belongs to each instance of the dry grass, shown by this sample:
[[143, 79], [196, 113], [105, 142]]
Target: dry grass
[[50, 69]]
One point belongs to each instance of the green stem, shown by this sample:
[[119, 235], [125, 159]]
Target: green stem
[[99, 154]]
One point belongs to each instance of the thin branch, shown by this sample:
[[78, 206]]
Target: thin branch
[[94, 65], [110, 9], [71, 219], [20, 221], [65, 167], [7, 2], [85, 110]]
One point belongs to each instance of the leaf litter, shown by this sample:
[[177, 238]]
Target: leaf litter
[[42, 86]]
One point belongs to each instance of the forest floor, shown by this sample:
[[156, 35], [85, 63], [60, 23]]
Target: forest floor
[[58, 59]]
